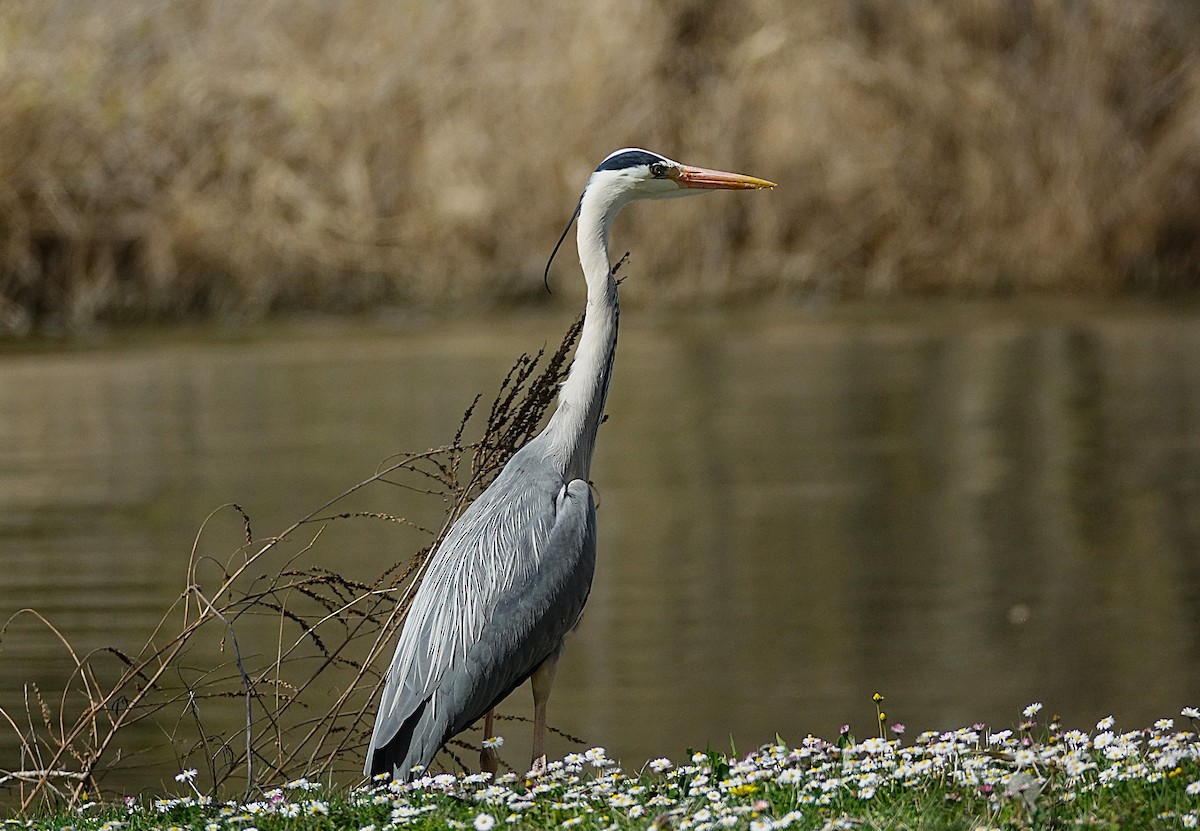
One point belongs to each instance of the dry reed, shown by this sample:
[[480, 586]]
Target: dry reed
[[260, 632], [167, 159]]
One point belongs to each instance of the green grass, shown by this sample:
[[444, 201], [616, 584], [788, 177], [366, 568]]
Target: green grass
[[970, 778]]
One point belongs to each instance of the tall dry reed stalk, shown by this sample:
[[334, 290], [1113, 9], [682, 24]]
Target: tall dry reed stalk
[[212, 157], [263, 635]]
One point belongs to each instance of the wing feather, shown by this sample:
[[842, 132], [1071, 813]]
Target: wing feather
[[531, 618], [493, 555]]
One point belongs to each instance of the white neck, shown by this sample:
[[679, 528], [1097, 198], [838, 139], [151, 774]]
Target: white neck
[[571, 432]]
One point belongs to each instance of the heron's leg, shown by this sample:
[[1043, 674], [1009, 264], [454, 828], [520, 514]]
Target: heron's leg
[[542, 681], [489, 759]]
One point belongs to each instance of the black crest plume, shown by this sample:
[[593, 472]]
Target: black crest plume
[[557, 245]]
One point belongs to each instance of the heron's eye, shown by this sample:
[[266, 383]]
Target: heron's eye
[[658, 170]]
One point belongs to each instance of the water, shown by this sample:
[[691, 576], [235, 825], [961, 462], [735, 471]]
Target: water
[[968, 509]]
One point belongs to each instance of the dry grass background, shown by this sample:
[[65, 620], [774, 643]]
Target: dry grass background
[[167, 159]]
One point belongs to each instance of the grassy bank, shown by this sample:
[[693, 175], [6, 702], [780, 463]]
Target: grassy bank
[[1028, 777], [171, 159]]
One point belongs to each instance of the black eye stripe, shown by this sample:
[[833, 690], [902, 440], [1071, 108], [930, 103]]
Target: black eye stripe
[[630, 158]]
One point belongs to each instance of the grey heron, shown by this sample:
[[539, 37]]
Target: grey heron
[[511, 577]]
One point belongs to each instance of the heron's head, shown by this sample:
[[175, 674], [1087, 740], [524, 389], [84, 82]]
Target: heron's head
[[632, 173]]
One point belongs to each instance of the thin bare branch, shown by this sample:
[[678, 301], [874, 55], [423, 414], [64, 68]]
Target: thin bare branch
[[343, 627]]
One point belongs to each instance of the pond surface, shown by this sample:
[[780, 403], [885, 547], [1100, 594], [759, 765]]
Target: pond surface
[[966, 508]]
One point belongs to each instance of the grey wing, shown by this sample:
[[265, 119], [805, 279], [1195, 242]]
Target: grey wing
[[531, 619], [463, 581], [495, 548]]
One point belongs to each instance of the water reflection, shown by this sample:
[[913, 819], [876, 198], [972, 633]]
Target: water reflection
[[968, 510]]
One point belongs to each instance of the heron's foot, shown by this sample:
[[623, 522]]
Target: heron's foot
[[538, 766], [489, 760]]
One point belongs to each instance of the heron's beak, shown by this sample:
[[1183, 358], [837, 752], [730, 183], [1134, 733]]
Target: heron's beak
[[699, 177]]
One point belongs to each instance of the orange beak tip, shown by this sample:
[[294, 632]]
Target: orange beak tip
[[699, 177]]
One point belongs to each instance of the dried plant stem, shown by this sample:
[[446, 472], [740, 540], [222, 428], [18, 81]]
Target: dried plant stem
[[342, 628]]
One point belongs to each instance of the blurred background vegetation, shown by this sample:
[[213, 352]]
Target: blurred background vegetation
[[195, 158]]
